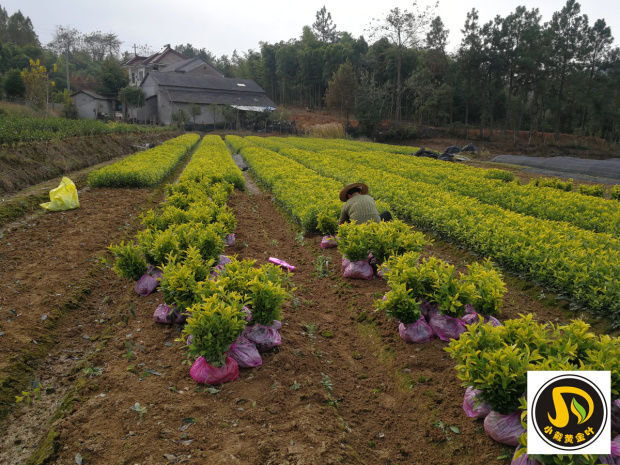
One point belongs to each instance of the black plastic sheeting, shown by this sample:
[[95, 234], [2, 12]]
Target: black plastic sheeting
[[609, 169]]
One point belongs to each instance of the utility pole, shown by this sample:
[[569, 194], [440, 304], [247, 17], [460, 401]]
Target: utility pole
[[68, 80]]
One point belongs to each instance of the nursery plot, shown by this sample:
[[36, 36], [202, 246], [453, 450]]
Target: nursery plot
[[342, 388]]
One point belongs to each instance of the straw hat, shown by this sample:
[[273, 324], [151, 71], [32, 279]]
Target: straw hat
[[347, 188]]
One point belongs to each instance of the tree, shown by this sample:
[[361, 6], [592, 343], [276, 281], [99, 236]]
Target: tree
[[404, 29], [469, 59], [180, 118], [342, 89], [113, 77], [102, 45], [324, 28], [4, 22], [437, 36], [36, 81], [131, 98], [13, 84], [190, 51], [66, 40], [20, 31], [567, 32], [370, 103], [194, 110]]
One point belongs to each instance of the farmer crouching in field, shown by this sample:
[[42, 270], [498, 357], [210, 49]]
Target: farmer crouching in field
[[358, 206]]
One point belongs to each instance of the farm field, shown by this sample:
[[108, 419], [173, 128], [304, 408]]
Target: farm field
[[342, 387]]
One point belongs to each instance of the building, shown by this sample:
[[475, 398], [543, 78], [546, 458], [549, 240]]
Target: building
[[169, 92], [171, 82], [91, 105]]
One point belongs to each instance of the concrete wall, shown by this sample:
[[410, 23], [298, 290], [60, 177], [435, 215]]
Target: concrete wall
[[88, 107]]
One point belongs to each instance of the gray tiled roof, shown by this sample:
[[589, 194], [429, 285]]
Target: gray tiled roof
[[208, 97], [194, 81], [92, 94]]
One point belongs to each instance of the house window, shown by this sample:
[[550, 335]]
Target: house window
[[140, 75], [133, 78]]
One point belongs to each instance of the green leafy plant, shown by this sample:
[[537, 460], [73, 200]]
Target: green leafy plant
[[299, 237], [614, 193], [400, 305], [140, 409], [501, 175], [30, 397], [180, 282], [555, 183], [130, 353], [130, 261], [326, 382], [214, 325], [595, 190], [327, 220], [496, 359], [266, 299], [448, 431], [321, 266]]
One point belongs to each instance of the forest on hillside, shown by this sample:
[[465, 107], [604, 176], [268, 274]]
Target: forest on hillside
[[511, 73]]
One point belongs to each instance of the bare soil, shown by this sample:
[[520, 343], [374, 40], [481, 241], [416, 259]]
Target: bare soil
[[342, 387]]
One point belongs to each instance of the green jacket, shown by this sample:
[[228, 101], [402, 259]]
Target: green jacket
[[360, 208]]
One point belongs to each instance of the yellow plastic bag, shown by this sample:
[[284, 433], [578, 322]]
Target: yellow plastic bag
[[64, 197]]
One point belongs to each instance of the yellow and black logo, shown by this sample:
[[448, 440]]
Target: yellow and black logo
[[569, 412]]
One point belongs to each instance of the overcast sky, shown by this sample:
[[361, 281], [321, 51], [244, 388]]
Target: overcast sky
[[223, 26]]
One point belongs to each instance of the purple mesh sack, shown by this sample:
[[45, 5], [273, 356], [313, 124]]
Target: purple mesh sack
[[248, 313], [609, 459], [215, 272], [491, 319], [428, 310], [524, 459], [358, 270], [245, 353], [345, 262], [615, 446], [417, 332], [181, 317], [446, 327], [264, 337], [504, 428], [470, 318], [204, 373], [474, 407], [224, 260], [148, 283], [329, 242], [381, 271], [229, 240], [165, 315]]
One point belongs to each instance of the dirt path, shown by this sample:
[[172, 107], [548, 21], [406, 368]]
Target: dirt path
[[342, 388]]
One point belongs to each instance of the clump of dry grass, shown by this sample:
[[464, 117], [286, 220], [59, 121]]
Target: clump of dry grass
[[327, 131]]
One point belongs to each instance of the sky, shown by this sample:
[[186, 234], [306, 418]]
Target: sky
[[224, 26]]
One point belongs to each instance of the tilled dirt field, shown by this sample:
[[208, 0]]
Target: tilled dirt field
[[115, 387]]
